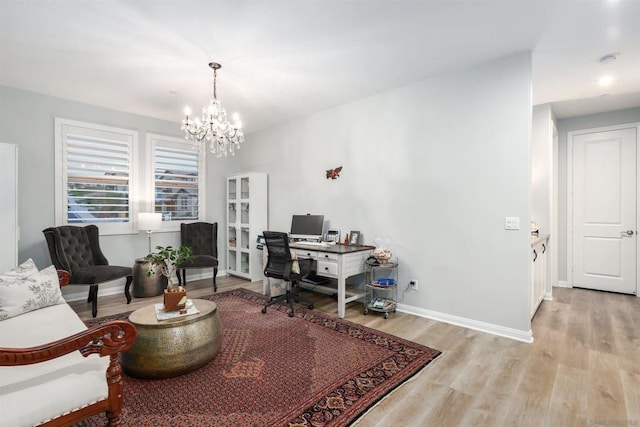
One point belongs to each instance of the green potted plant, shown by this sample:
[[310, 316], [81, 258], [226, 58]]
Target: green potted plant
[[166, 260]]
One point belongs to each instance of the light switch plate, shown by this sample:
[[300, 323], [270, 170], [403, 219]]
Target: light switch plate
[[512, 223]]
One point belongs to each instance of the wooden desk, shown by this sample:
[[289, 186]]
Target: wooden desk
[[338, 262]]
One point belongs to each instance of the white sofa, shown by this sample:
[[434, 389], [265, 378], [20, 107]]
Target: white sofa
[[53, 369]]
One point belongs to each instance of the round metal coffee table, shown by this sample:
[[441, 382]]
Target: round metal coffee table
[[168, 348]]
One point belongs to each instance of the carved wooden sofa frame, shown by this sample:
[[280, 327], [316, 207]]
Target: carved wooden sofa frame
[[107, 339]]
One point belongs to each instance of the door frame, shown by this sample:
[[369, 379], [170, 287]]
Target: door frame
[[570, 136]]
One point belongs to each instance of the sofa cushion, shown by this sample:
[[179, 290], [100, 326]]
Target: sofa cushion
[[58, 386], [20, 295]]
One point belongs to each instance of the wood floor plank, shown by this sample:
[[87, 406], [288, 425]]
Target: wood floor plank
[[568, 403], [604, 391], [631, 388]]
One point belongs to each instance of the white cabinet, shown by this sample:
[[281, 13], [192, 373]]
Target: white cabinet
[[8, 206], [539, 248], [246, 219]]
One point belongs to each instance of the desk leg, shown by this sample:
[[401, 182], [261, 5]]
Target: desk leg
[[341, 296]]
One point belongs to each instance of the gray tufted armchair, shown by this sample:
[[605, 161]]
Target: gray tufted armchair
[[202, 238], [77, 250]]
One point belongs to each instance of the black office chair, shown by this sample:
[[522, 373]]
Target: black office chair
[[77, 250], [202, 238], [279, 266]]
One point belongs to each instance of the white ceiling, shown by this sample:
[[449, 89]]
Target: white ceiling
[[285, 59]]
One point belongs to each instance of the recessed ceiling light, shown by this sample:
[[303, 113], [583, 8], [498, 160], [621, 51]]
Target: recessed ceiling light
[[608, 59], [605, 80]]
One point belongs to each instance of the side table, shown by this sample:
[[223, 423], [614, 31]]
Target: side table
[[144, 285], [168, 348]]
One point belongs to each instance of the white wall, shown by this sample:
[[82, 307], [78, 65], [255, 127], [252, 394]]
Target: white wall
[[437, 166], [27, 119], [541, 163], [631, 115]]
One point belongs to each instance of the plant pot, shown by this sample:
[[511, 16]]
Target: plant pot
[[174, 300]]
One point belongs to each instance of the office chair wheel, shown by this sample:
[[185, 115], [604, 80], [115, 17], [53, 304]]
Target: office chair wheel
[[310, 306], [290, 313], [264, 310], [386, 315], [366, 311]]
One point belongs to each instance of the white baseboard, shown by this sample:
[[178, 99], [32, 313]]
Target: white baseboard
[[117, 286], [515, 334], [563, 284], [548, 296]]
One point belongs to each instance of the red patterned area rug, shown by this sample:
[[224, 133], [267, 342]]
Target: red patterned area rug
[[273, 370]]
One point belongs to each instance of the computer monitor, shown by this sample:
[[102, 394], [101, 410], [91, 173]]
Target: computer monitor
[[306, 227]]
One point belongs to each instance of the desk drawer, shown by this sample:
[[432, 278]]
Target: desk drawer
[[327, 268], [303, 253], [327, 256]]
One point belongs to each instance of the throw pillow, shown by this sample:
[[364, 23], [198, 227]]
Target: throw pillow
[[25, 269], [20, 295], [295, 265]]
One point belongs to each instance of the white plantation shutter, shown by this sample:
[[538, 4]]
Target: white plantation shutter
[[178, 176], [96, 179]]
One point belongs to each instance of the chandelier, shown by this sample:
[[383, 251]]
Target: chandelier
[[222, 136]]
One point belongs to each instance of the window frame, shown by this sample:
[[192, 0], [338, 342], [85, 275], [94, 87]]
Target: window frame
[[154, 140], [62, 127]]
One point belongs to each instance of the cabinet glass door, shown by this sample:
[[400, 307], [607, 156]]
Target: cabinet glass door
[[244, 262], [231, 191], [244, 238], [231, 213], [244, 213], [244, 188], [231, 260]]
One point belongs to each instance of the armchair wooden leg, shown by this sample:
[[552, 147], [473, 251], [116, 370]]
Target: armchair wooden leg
[[178, 276], [127, 294], [184, 277], [215, 273], [93, 297]]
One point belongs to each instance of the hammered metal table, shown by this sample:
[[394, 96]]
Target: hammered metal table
[[168, 348]]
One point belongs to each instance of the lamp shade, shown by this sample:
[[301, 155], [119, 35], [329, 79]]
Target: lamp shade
[[149, 221]]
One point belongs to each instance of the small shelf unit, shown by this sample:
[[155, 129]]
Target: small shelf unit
[[381, 287]]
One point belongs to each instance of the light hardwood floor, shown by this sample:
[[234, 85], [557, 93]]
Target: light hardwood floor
[[583, 368]]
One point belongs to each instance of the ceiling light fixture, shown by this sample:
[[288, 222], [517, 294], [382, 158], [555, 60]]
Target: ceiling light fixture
[[223, 137]]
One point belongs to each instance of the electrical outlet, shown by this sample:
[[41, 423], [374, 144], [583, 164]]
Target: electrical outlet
[[414, 284]]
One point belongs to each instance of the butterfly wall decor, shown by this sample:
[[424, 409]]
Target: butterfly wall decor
[[334, 173]]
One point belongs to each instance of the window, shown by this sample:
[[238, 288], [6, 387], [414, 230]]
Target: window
[[178, 180], [95, 175]]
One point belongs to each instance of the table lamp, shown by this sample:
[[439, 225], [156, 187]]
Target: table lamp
[[150, 222]]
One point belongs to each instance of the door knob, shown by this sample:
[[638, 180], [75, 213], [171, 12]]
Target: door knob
[[628, 232]]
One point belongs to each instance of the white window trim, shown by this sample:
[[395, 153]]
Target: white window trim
[[61, 202], [152, 141]]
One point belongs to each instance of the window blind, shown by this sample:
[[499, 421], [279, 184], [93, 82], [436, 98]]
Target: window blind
[[97, 169], [176, 181]]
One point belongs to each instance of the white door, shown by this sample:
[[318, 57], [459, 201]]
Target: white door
[[604, 182]]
